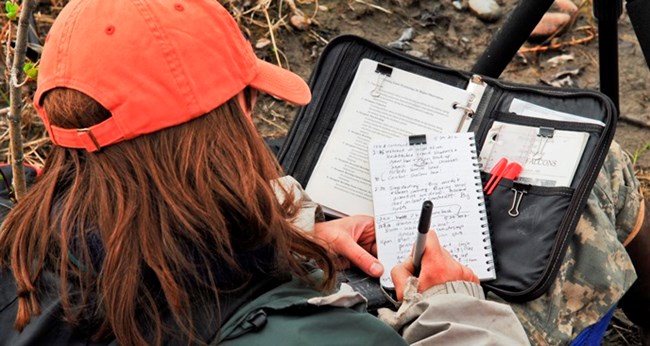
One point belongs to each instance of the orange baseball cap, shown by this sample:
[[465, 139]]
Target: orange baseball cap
[[153, 64]]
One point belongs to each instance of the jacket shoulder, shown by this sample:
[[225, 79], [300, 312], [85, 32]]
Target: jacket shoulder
[[284, 316]]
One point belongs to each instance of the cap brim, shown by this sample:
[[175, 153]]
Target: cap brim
[[281, 83]]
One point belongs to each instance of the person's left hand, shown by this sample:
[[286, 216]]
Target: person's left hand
[[352, 237]]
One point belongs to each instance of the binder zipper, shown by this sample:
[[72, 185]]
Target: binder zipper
[[552, 91], [494, 95], [522, 119], [330, 87], [560, 243], [601, 149]]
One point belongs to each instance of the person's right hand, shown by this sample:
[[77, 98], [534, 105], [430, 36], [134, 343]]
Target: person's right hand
[[438, 267]]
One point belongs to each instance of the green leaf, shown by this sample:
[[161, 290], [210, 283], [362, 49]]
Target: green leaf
[[12, 10], [31, 70]]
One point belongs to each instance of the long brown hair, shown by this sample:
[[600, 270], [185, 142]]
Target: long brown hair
[[167, 206]]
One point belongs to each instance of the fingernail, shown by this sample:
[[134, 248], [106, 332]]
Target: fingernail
[[376, 269]]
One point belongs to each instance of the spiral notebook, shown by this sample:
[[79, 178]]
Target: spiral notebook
[[441, 168]]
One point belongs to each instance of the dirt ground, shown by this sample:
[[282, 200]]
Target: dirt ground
[[454, 38]]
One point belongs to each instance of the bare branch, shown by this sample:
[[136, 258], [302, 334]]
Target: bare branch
[[634, 121], [15, 97]]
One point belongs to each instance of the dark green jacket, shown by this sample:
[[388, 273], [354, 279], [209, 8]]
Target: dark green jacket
[[282, 316]]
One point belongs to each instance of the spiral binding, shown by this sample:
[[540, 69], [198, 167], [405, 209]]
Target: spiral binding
[[482, 202]]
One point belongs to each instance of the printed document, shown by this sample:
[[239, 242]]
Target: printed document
[[546, 161], [378, 105], [526, 108]]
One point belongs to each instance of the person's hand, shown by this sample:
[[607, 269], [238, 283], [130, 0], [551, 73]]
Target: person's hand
[[353, 238], [438, 267]]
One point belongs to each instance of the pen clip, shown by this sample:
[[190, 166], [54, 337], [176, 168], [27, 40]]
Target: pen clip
[[512, 171], [425, 217], [496, 171], [420, 242]]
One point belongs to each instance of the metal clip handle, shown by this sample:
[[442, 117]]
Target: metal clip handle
[[376, 92], [516, 201], [544, 133]]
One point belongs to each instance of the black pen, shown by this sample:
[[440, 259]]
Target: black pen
[[423, 229]]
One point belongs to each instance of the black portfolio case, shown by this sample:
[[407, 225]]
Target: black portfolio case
[[528, 249]]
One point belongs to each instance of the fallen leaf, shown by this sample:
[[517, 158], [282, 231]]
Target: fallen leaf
[[563, 79], [262, 42], [560, 59], [300, 22]]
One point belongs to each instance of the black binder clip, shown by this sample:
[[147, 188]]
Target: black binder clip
[[544, 133], [417, 139], [385, 70]]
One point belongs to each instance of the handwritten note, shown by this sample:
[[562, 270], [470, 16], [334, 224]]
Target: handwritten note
[[445, 171]]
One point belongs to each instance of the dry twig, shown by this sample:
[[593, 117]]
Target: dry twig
[[275, 45], [283, 129], [16, 100], [552, 44], [590, 32], [633, 121], [376, 7]]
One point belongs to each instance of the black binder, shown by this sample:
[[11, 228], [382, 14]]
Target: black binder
[[528, 249]]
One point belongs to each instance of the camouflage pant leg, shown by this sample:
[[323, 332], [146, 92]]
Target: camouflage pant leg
[[597, 270]]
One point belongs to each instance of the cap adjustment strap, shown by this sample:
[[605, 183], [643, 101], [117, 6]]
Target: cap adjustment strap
[[92, 139], [85, 135]]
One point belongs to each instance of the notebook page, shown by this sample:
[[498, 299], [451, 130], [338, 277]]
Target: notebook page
[[445, 171]]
